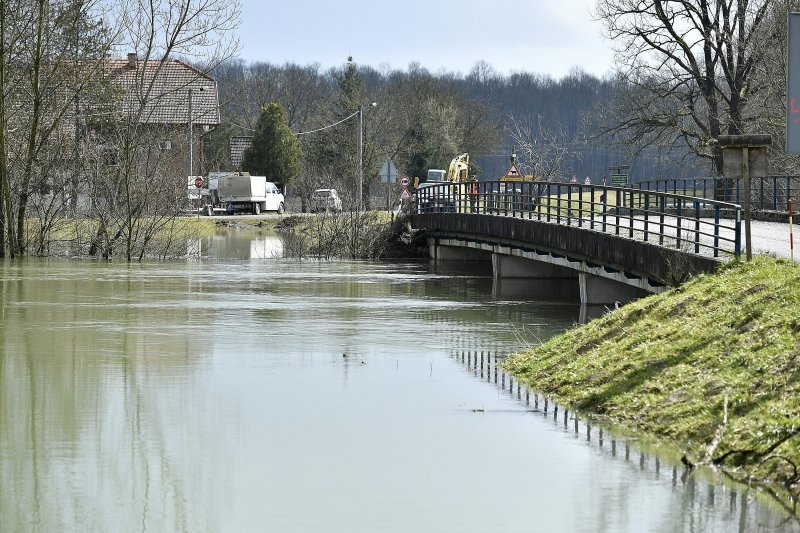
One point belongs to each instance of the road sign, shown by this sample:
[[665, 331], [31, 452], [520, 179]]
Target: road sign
[[404, 181], [405, 195], [388, 172], [587, 181], [793, 86], [198, 182], [619, 179]]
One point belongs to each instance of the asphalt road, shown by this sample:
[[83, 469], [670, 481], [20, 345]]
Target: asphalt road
[[771, 238]]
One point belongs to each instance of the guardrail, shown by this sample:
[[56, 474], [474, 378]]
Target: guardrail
[[766, 194], [690, 223]]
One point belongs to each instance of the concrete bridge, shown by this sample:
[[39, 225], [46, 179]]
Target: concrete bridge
[[594, 244]]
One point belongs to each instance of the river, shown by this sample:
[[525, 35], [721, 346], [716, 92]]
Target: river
[[245, 392]]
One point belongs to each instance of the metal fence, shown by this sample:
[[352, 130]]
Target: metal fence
[[690, 223], [766, 194]]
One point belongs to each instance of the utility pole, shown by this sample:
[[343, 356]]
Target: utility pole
[[191, 141], [360, 138]]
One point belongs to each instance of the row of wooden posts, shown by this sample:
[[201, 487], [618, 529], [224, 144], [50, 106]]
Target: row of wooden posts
[[487, 366]]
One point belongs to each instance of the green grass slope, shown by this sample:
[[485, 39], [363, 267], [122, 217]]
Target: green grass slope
[[669, 364]]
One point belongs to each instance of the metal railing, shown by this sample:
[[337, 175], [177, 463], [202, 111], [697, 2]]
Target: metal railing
[[766, 194], [684, 222]]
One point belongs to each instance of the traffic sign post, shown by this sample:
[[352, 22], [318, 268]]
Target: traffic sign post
[[388, 172], [405, 194], [198, 184], [619, 176], [388, 175]]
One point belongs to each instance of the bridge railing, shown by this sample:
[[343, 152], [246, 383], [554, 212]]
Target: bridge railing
[[771, 193], [690, 223]]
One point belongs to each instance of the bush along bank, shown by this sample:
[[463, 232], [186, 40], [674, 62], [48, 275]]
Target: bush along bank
[[712, 365], [350, 235]]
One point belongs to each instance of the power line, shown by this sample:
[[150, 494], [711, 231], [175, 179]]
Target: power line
[[327, 127]]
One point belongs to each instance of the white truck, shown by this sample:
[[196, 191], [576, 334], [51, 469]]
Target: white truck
[[253, 194]]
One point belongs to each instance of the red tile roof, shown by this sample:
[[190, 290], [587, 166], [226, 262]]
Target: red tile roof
[[237, 147], [164, 88]]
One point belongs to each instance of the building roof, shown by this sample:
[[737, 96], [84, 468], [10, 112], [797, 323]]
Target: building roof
[[165, 88], [237, 147]]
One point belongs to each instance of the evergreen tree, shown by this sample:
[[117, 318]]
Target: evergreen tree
[[275, 151]]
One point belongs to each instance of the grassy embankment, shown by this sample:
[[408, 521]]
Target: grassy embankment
[[713, 366]]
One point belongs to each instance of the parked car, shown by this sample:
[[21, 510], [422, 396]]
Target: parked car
[[325, 200]]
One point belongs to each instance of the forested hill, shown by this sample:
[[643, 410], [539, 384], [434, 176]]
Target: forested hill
[[424, 119]]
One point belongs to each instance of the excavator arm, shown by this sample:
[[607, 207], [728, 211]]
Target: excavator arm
[[458, 171]]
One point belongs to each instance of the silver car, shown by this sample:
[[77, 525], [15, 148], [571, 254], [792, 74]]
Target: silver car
[[325, 200]]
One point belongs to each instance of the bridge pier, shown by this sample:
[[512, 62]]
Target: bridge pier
[[440, 252], [596, 290], [521, 278], [511, 266]]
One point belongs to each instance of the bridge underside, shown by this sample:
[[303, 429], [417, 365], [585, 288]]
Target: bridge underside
[[544, 276], [557, 262]]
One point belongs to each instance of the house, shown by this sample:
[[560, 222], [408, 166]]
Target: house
[[171, 97], [115, 132]]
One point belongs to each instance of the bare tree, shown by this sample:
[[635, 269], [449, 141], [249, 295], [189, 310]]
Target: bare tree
[[686, 69], [51, 54], [543, 152], [47, 58], [138, 191], [767, 109]]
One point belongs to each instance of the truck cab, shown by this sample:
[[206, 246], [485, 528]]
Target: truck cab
[[435, 175]]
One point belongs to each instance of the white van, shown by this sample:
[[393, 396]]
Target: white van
[[253, 194]]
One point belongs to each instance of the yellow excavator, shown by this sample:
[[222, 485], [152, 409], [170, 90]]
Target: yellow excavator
[[450, 197], [457, 172]]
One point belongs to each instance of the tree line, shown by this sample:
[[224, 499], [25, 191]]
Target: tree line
[[422, 120]]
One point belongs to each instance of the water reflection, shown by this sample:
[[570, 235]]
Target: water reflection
[[703, 500], [241, 244], [99, 399]]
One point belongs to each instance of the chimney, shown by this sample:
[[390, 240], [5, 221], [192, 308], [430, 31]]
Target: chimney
[[133, 60]]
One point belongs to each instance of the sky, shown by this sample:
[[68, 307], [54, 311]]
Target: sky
[[539, 36]]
